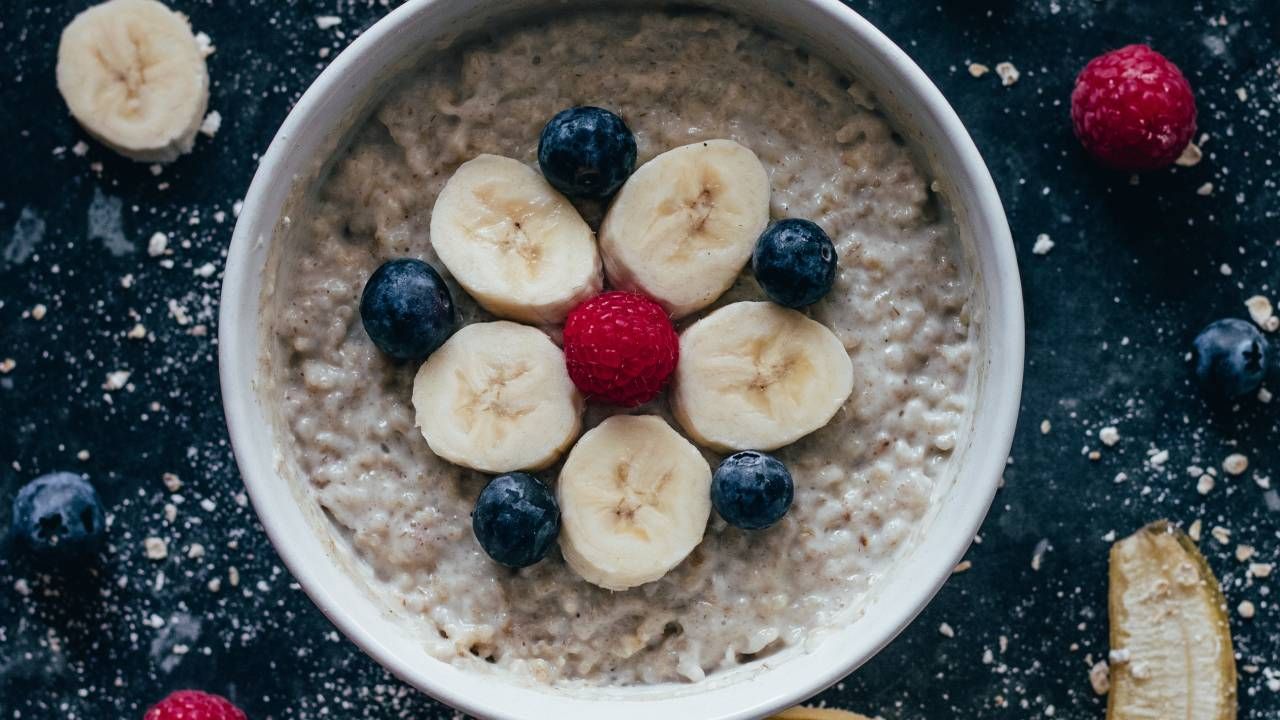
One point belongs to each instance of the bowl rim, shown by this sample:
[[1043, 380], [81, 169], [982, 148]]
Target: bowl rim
[[1004, 369]]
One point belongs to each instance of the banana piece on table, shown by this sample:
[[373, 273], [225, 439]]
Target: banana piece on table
[[1169, 623], [634, 501], [496, 397], [757, 376], [684, 225], [134, 77], [513, 242]]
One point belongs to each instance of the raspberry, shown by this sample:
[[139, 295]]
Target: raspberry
[[194, 705], [1133, 110], [620, 348]]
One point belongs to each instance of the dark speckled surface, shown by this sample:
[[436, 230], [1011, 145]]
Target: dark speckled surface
[[1135, 271]]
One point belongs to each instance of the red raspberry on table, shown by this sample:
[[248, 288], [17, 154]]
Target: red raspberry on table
[[620, 348], [194, 705], [1133, 110]]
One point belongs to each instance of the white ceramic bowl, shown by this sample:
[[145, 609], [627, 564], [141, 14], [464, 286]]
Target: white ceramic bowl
[[344, 93]]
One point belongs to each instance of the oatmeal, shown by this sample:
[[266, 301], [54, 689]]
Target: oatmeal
[[863, 483]]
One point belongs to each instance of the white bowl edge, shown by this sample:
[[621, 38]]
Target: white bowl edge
[[832, 28]]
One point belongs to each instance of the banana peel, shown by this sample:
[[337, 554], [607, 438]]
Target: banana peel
[[1170, 633]]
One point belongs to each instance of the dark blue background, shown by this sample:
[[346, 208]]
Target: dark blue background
[[1111, 311]]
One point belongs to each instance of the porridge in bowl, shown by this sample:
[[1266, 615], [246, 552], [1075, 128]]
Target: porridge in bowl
[[879, 366]]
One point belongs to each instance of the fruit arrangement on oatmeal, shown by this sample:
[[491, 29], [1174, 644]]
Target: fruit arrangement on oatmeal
[[603, 380]]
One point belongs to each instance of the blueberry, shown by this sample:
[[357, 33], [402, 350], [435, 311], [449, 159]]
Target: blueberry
[[794, 262], [586, 152], [58, 514], [752, 490], [516, 519], [1230, 359], [406, 309]]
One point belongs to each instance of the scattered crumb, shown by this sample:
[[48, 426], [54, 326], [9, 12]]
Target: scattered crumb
[[80, 149], [1264, 395], [1235, 464], [205, 44], [1246, 609], [1109, 435], [1225, 269], [1244, 552], [39, 311], [157, 548], [1043, 245], [1008, 73], [205, 270], [157, 245], [1191, 155], [1242, 94], [1221, 534], [963, 566], [1260, 570], [82, 456], [1100, 677], [1045, 427], [233, 576], [946, 630], [212, 123], [171, 482], [1159, 458], [1205, 484], [978, 69], [1037, 555], [1205, 189], [137, 332], [324, 22], [7, 365], [1194, 532], [178, 313], [1261, 312], [116, 380], [195, 551]]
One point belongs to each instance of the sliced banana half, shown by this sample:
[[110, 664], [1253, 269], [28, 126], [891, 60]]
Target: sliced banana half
[[684, 225], [757, 376], [1170, 636], [134, 78], [813, 713], [518, 247], [496, 397], [634, 501]]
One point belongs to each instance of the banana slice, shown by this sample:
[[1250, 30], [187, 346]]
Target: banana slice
[[812, 713], [757, 376], [517, 246], [1169, 625], [634, 501], [135, 78], [684, 224], [496, 397]]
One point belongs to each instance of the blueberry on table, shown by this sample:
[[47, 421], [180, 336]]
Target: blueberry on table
[[794, 262], [516, 519], [752, 490], [1230, 358], [406, 309], [586, 152], [58, 514]]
